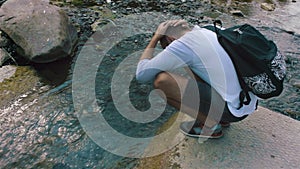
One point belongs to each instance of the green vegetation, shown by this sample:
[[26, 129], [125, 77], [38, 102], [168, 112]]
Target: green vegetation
[[24, 80]]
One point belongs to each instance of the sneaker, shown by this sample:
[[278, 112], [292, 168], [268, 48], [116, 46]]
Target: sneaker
[[224, 124], [194, 129]]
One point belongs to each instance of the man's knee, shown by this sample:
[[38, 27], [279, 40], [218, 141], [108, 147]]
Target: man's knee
[[161, 80]]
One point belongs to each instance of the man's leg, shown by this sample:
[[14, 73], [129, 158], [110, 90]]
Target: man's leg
[[173, 87]]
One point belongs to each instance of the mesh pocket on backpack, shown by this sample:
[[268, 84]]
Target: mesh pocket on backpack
[[260, 84], [278, 66]]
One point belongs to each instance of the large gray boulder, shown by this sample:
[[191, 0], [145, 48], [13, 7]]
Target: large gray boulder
[[42, 31]]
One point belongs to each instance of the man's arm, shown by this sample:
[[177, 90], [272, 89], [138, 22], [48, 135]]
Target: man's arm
[[149, 67], [149, 50], [159, 33]]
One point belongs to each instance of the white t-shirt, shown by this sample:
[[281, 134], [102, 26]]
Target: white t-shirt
[[200, 50]]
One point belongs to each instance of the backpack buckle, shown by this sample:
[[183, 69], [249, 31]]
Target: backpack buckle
[[238, 30]]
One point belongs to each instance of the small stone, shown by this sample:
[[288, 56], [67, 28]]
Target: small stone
[[267, 6], [113, 58], [100, 48], [237, 13], [296, 83], [291, 112], [6, 72]]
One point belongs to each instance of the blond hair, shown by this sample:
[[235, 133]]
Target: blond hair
[[177, 31]]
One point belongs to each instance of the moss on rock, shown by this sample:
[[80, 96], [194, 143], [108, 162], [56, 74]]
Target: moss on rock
[[24, 79]]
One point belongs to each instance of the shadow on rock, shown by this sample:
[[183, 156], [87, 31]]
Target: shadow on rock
[[54, 73]]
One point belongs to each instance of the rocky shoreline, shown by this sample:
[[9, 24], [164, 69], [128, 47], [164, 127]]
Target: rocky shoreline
[[84, 15]]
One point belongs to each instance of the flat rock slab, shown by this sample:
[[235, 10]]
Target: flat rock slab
[[265, 139]]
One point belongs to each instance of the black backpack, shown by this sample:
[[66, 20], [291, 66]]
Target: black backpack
[[259, 65]]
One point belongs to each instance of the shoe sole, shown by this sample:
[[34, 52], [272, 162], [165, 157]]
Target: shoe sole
[[225, 125], [203, 136]]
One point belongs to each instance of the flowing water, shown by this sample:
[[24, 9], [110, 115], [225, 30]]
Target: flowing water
[[40, 127]]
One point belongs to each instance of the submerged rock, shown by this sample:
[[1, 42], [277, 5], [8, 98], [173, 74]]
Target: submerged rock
[[42, 31]]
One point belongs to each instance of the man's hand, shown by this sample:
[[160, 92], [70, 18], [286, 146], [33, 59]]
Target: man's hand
[[162, 28], [159, 33]]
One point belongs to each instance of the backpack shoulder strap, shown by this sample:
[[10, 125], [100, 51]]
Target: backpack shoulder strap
[[244, 96]]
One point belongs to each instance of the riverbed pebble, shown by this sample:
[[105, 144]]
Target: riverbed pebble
[[6, 72], [268, 6]]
